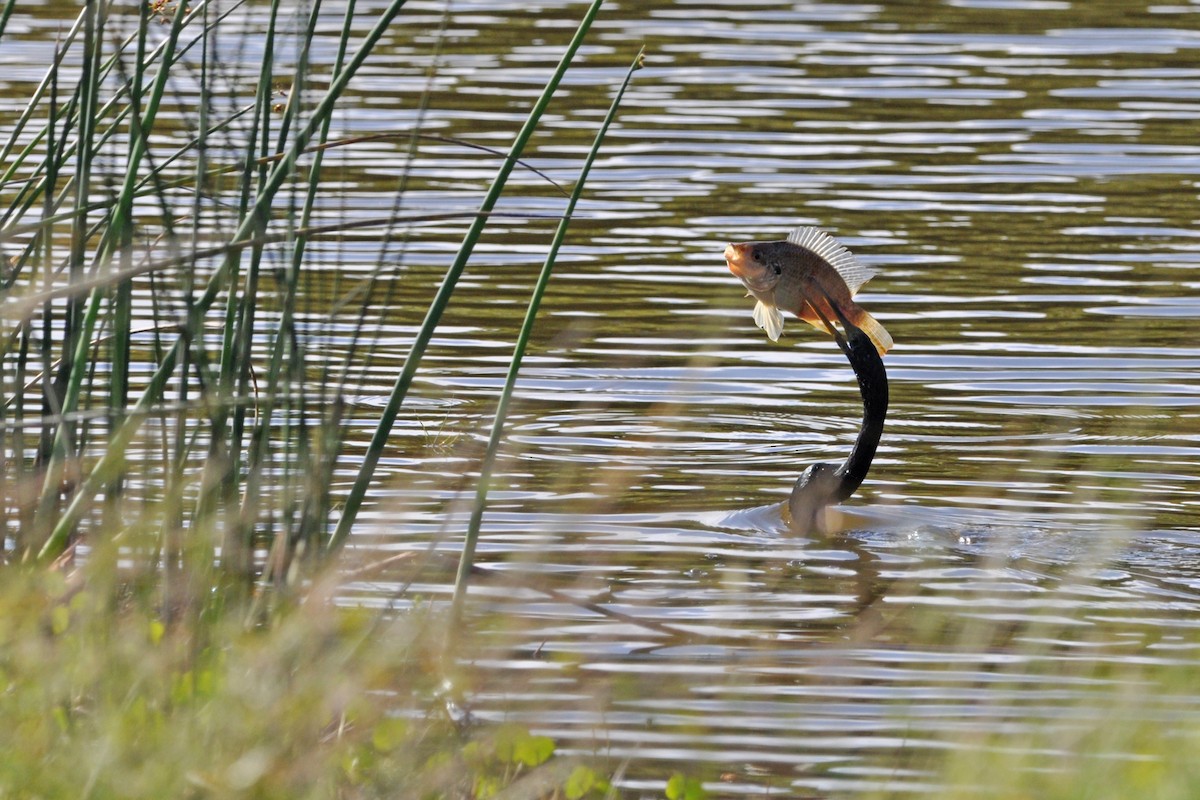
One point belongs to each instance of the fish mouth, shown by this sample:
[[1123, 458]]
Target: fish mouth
[[743, 267], [735, 257]]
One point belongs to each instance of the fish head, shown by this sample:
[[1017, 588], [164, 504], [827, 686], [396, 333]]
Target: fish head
[[759, 265]]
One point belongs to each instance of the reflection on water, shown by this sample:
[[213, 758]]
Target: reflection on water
[[1022, 175]]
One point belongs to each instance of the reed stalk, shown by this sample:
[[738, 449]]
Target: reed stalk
[[5, 14], [253, 224], [315, 503], [82, 322], [467, 558], [366, 472]]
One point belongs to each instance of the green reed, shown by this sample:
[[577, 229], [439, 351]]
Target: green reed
[[438, 306], [97, 210], [514, 366], [260, 182], [157, 405]]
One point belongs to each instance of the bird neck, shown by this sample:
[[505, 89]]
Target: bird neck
[[873, 385], [822, 485]]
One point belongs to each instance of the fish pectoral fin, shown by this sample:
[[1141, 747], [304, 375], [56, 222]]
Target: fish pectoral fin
[[770, 319]]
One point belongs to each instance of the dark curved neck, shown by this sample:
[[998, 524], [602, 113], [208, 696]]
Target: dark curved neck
[[873, 384]]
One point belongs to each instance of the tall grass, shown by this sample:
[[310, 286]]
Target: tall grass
[[209, 369], [171, 431], [514, 366]]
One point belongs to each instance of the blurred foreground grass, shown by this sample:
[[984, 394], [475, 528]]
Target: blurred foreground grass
[[103, 698], [1134, 732]]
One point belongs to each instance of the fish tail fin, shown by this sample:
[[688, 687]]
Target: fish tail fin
[[871, 327]]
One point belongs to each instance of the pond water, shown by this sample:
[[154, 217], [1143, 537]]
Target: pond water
[[1024, 178]]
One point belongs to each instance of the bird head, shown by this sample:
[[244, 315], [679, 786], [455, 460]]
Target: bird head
[[817, 488]]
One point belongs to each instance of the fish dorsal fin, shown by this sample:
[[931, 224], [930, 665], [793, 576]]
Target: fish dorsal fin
[[821, 244]]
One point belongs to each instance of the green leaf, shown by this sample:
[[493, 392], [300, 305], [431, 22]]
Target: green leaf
[[389, 734], [475, 754], [580, 782], [681, 787], [486, 786], [534, 750], [515, 745], [60, 618]]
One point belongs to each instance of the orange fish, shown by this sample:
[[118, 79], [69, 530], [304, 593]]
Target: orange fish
[[811, 275]]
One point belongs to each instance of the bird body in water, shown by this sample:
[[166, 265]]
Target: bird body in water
[[814, 277]]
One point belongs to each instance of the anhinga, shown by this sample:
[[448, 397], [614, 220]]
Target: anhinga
[[823, 485]]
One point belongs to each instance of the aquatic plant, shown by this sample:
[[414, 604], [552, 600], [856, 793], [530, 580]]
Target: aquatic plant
[[172, 424], [209, 225], [86, 239]]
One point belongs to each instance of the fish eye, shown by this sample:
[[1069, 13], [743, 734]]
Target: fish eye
[[756, 254], [778, 270]]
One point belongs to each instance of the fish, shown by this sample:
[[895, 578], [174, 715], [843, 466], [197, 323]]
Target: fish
[[809, 274]]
